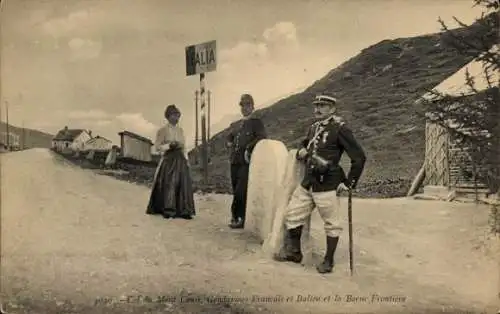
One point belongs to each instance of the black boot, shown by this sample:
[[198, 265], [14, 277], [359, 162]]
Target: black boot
[[292, 252], [237, 224], [328, 263]]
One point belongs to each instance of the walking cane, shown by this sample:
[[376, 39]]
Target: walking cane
[[349, 217]]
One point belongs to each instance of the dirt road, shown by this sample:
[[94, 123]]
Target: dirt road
[[70, 234]]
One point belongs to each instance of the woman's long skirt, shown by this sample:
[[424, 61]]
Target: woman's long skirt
[[172, 190]]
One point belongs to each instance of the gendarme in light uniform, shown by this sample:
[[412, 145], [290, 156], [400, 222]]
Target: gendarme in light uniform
[[326, 141]]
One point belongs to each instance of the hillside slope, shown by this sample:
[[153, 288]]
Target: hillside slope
[[32, 138], [377, 89]]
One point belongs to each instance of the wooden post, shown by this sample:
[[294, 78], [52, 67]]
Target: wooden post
[[197, 137], [7, 124], [23, 138], [208, 126], [203, 128], [417, 182]]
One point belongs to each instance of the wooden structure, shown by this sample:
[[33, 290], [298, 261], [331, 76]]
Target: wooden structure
[[135, 147], [70, 140], [97, 143], [448, 163], [10, 140]]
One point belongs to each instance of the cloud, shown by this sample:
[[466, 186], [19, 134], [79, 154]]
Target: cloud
[[90, 114], [109, 125], [282, 37], [136, 122], [100, 123], [82, 49], [277, 41], [269, 67], [244, 52], [61, 26]]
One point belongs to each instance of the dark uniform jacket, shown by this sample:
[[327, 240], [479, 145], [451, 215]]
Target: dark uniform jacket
[[249, 132], [329, 139]]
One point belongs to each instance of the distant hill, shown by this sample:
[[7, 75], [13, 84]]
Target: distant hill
[[377, 89], [32, 138], [225, 122]]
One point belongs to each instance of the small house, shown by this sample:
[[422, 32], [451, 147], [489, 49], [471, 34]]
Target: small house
[[70, 140], [10, 140], [448, 162], [98, 143], [135, 146]]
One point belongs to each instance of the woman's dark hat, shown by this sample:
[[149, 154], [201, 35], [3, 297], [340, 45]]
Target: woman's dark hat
[[171, 109]]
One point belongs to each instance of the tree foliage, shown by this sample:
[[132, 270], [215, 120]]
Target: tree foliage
[[472, 116]]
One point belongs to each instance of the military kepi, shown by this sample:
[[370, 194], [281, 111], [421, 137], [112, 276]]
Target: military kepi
[[246, 99], [325, 100]]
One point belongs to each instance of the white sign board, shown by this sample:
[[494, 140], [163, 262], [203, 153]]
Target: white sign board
[[201, 58]]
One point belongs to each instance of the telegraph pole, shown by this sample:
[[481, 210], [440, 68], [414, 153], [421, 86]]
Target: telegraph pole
[[196, 140], [208, 127], [7, 125], [23, 137]]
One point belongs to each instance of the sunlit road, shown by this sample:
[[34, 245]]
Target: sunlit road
[[69, 233]]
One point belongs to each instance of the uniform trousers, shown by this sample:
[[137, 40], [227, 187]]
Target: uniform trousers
[[303, 202], [239, 182]]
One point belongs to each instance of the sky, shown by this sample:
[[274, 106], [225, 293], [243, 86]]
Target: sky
[[114, 65]]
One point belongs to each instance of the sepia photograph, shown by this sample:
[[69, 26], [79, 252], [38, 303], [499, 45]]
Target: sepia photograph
[[249, 156]]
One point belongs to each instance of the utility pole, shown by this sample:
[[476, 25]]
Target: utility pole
[[7, 125], [196, 140], [208, 126], [1, 137], [23, 138]]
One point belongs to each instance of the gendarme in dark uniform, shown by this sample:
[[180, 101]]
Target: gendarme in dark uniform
[[321, 151], [242, 142]]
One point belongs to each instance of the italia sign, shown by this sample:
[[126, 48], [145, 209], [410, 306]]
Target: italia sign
[[201, 58]]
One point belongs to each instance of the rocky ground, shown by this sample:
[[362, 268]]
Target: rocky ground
[[74, 241]]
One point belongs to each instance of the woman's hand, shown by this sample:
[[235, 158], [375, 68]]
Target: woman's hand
[[163, 148], [174, 145]]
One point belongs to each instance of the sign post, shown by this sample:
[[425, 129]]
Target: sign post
[[200, 59], [208, 132]]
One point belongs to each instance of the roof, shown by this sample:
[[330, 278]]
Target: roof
[[67, 134], [136, 136], [456, 84], [98, 137]]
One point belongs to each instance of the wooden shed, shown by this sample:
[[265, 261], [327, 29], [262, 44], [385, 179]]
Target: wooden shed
[[135, 146], [448, 162]]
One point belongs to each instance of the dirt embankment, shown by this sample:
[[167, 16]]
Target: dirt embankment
[[218, 181]]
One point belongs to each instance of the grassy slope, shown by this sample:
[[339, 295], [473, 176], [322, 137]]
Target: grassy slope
[[377, 104], [33, 138]]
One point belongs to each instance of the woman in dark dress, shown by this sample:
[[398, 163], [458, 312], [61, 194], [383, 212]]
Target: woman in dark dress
[[172, 192]]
